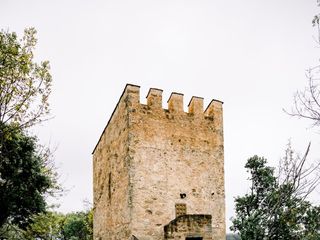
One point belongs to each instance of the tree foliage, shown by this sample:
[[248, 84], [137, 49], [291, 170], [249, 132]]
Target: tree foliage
[[24, 84], [46, 226], [276, 206], [25, 178], [78, 226], [52, 225], [26, 173]]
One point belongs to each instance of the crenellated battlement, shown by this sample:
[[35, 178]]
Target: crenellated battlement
[[175, 102], [130, 99]]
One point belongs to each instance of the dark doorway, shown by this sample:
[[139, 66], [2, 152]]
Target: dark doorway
[[194, 238]]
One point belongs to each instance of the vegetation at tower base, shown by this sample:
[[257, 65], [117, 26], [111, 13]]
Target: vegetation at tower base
[[52, 225], [276, 206], [78, 226], [45, 226]]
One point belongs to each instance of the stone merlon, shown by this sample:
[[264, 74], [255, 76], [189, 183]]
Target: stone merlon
[[154, 98]]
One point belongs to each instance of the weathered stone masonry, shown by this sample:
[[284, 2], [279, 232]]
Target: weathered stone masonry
[[159, 173]]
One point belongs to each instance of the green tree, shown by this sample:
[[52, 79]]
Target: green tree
[[276, 206], [25, 178], [51, 225], [45, 226], [78, 226], [26, 173], [24, 84], [11, 232]]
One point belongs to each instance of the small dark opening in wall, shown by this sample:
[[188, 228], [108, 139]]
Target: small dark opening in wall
[[183, 195]]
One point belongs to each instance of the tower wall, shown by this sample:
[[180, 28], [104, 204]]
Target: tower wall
[[158, 158], [111, 181]]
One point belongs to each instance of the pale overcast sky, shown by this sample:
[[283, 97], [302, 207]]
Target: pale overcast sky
[[251, 54]]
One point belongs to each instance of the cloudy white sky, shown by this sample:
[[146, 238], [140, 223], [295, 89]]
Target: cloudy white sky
[[251, 54]]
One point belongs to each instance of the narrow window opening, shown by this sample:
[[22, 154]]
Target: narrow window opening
[[109, 187]]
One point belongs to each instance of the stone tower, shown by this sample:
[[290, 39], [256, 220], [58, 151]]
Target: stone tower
[[159, 173]]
